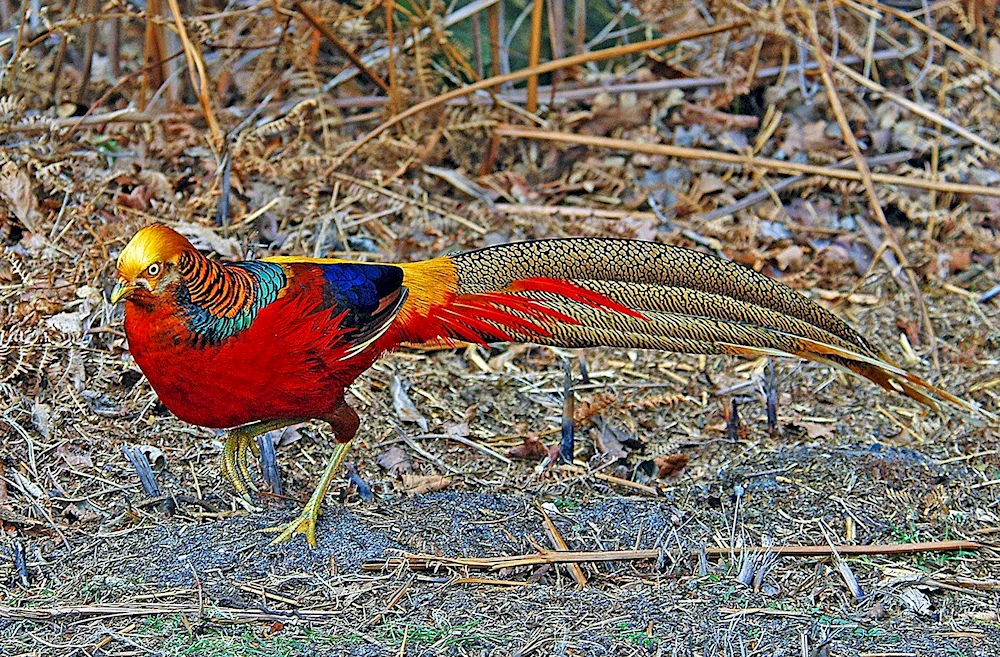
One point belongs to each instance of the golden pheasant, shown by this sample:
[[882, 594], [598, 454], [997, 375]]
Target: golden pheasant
[[257, 345]]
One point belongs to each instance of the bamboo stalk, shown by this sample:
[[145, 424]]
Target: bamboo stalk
[[534, 54], [60, 57], [477, 46], [90, 44], [154, 50], [425, 561], [559, 543], [743, 161]]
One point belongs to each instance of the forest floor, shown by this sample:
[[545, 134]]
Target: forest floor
[[455, 442]]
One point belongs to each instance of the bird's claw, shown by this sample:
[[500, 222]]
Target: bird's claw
[[304, 524], [234, 463]]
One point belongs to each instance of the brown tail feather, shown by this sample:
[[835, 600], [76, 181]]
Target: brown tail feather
[[679, 300]]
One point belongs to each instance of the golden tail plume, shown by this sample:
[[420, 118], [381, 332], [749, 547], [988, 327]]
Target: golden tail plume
[[625, 293]]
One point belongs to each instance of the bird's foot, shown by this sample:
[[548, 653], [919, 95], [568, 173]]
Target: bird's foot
[[304, 524], [234, 462]]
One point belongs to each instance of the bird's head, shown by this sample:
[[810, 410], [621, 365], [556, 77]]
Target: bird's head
[[148, 263]]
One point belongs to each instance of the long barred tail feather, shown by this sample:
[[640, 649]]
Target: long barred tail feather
[[622, 293]]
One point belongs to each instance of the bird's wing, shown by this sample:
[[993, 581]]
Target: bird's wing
[[361, 299]]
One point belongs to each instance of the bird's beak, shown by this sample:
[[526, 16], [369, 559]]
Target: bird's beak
[[122, 290]]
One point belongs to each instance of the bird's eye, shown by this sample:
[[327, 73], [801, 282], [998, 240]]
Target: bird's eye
[[153, 269]]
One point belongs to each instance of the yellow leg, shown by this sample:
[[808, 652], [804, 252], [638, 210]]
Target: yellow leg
[[306, 522], [234, 453]]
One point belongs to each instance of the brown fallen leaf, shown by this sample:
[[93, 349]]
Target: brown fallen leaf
[[910, 328], [15, 190], [420, 484], [74, 458], [790, 257], [406, 410], [532, 449], [137, 199], [609, 445], [817, 429], [395, 461], [670, 465]]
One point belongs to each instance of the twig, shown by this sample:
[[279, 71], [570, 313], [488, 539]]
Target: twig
[[130, 610], [934, 34], [60, 57], [390, 26], [611, 479], [764, 194], [743, 161], [554, 65], [426, 561], [199, 78], [559, 543], [341, 46], [9, 71], [462, 440], [396, 597]]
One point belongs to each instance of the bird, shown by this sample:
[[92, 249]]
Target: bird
[[257, 345]]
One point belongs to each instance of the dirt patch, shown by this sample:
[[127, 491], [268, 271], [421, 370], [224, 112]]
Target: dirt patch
[[627, 608]]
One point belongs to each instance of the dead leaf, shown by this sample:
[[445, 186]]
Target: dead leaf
[[73, 458], [809, 138], [41, 417], [910, 328], [406, 410], [532, 449], [916, 600], [670, 465], [395, 461], [460, 430], [286, 436], [790, 257], [817, 429], [709, 183], [609, 445], [961, 259], [15, 189], [420, 484], [158, 185], [137, 199], [69, 323], [155, 456]]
